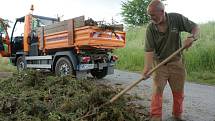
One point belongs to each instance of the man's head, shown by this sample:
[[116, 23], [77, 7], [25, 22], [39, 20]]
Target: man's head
[[156, 11]]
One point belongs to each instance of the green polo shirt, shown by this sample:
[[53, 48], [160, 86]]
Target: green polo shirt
[[164, 44]]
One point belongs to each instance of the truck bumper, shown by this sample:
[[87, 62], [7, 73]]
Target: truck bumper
[[100, 66]]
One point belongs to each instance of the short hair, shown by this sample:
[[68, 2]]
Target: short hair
[[157, 4]]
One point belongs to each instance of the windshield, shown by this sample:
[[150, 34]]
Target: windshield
[[39, 21], [19, 29]]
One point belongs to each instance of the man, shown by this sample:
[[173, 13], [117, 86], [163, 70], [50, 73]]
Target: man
[[163, 39]]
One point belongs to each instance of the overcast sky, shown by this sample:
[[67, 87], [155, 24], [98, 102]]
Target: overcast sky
[[197, 10]]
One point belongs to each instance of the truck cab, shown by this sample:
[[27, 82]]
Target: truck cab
[[25, 32]]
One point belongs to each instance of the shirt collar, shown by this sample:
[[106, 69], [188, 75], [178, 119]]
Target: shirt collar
[[167, 20]]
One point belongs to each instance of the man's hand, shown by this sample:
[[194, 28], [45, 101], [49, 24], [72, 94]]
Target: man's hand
[[147, 64], [188, 42], [145, 72], [194, 36]]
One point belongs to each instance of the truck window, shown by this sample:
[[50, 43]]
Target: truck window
[[19, 29], [39, 22]]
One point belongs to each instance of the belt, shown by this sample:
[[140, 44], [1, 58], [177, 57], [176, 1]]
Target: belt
[[174, 59]]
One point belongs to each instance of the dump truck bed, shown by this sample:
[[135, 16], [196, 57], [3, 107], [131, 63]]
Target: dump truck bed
[[74, 33], [98, 38]]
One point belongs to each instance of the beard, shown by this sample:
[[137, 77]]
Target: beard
[[157, 21]]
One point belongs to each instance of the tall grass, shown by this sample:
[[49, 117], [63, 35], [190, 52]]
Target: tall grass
[[6, 66], [132, 56], [201, 56], [199, 59]]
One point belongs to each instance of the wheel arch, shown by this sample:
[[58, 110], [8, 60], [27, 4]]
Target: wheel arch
[[69, 54], [18, 54]]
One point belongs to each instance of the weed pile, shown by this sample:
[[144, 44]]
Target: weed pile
[[35, 96]]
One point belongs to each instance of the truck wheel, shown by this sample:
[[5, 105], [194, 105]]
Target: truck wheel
[[99, 73], [21, 63], [63, 67]]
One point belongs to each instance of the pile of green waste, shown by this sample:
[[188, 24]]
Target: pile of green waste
[[33, 96]]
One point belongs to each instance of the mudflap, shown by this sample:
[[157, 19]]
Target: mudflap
[[110, 70], [81, 75]]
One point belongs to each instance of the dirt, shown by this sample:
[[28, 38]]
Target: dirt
[[5, 74], [199, 102]]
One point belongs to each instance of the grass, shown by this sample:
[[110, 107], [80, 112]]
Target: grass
[[199, 60], [132, 56], [6, 66], [202, 77]]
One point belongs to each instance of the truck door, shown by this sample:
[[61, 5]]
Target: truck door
[[17, 36]]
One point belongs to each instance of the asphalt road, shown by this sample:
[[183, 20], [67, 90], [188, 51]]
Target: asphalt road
[[199, 102]]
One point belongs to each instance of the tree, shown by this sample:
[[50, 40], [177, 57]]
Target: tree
[[134, 12], [3, 23]]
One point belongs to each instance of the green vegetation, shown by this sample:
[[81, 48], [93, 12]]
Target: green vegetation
[[132, 56], [5, 65], [199, 60], [33, 96], [134, 12]]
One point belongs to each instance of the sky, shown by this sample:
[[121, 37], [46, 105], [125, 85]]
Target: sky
[[200, 11], [197, 10]]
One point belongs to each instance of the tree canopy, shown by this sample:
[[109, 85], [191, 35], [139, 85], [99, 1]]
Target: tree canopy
[[134, 12]]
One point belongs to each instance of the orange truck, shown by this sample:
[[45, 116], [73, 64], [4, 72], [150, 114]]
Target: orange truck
[[75, 46]]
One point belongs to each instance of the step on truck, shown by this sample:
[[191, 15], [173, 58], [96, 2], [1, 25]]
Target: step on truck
[[75, 46]]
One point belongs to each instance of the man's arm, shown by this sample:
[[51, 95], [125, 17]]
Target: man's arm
[[149, 51], [195, 32], [190, 38], [148, 63]]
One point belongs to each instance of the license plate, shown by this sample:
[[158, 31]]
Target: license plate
[[86, 66]]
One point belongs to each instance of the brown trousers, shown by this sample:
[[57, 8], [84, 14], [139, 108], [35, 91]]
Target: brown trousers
[[173, 72]]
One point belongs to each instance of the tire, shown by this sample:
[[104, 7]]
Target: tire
[[99, 74], [63, 67], [21, 64]]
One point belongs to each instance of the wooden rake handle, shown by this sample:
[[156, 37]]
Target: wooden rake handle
[[149, 73]]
